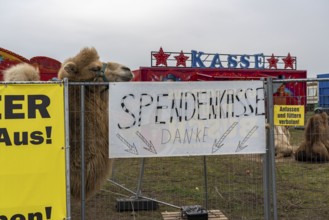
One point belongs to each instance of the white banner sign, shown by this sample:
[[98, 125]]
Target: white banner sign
[[160, 119]]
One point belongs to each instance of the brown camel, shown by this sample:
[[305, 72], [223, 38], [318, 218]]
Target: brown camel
[[86, 67]]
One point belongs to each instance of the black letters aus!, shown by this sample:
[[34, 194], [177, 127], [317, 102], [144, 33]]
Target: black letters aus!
[[4, 137]]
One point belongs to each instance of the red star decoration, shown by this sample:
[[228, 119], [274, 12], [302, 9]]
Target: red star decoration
[[273, 61], [181, 59], [288, 62], [161, 57]]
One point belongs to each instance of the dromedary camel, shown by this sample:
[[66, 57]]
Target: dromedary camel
[[315, 146], [86, 67]]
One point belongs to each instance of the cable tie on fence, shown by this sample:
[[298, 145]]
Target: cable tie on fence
[[267, 126], [55, 79]]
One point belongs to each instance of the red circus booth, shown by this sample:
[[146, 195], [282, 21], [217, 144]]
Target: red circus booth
[[48, 67], [200, 66]]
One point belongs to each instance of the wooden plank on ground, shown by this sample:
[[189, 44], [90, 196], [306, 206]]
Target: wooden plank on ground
[[212, 215]]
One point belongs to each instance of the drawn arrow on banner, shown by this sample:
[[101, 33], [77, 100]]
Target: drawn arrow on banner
[[132, 148], [218, 144], [241, 143], [150, 146]]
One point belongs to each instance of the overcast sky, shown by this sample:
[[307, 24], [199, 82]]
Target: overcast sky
[[126, 31]]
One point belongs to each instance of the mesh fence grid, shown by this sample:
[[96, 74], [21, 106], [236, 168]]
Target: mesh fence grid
[[234, 184], [301, 187]]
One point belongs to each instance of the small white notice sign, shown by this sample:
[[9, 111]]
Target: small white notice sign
[[164, 119]]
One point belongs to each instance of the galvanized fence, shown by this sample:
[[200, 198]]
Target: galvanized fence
[[228, 187], [252, 186], [301, 187]]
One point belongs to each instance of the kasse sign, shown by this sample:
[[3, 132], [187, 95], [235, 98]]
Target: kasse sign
[[163, 119]]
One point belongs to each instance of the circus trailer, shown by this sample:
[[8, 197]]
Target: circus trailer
[[47, 66], [323, 88], [201, 66]]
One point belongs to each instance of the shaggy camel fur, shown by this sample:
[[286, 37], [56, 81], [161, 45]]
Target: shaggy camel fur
[[282, 142], [86, 66], [21, 72], [315, 147]]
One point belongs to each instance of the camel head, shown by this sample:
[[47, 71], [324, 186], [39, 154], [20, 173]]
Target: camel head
[[22, 72], [115, 72], [87, 67]]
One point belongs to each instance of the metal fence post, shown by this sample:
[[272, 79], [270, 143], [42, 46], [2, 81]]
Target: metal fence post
[[266, 169], [67, 150], [82, 130], [205, 181], [267, 206], [141, 174], [270, 142]]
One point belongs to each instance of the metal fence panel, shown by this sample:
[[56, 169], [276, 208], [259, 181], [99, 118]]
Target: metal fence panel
[[230, 186], [302, 187]]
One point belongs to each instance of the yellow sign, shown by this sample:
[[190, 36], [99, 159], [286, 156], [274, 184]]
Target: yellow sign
[[32, 152], [289, 115]]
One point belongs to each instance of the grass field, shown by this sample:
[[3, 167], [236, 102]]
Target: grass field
[[234, 185]]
